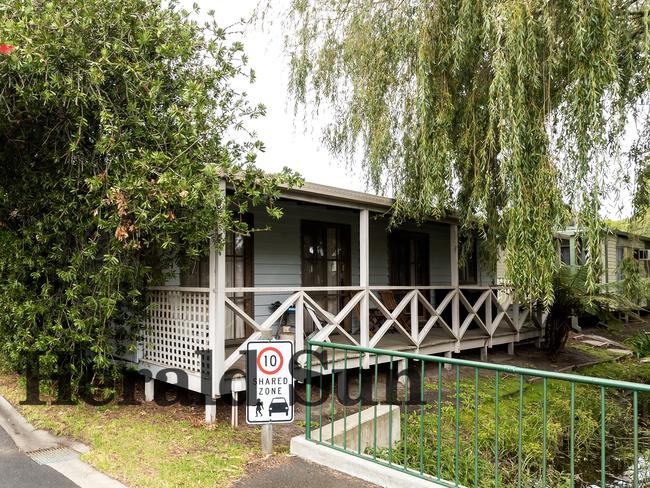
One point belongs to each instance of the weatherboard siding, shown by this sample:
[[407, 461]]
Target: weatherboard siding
[[277, 253]]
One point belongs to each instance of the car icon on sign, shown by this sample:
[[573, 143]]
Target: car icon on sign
[[279, 405]]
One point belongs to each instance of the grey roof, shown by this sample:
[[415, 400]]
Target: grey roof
[[333, 195], [569, 231]]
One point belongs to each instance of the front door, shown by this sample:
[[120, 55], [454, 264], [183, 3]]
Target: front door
[[326, 250], [409, 258]]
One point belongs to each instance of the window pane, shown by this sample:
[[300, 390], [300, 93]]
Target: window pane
[[332, 303], [318, 273], [229, 243], [239, 272], [239, 245], [308, 249], [319, 244], [230, 278], [342, 273], [230, 324], [332, 243], [332, 274], [344, 243], [307, 273]]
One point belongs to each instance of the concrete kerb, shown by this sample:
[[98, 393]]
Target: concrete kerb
[[29, 439], [356, 466], [24, 435]]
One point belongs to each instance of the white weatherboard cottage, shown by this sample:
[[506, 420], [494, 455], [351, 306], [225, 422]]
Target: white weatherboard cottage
[[329, 270], [616, 246]]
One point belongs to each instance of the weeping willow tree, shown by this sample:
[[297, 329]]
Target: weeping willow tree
[[507, 112]]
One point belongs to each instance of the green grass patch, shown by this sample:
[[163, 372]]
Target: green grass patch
[[146, 446], [521, 449], [597, 353]]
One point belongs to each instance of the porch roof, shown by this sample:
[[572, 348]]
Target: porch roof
[[341, 197]]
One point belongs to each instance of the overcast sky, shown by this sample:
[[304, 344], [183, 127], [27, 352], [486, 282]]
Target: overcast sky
[[289, 141]]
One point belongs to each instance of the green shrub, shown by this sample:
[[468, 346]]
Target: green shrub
[[641, 345]]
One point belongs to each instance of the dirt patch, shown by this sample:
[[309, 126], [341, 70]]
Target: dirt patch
[[529, 356], [621, 332]]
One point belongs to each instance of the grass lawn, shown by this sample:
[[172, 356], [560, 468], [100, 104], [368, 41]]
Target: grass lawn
[[619, 449], [146, 445]]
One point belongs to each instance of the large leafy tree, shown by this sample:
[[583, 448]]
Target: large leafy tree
[[509, 111], [118, 121]]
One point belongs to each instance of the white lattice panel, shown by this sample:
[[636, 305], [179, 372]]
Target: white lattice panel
[[177, 327]]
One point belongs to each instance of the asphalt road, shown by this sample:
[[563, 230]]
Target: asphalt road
[[293, 472], [17, 470]]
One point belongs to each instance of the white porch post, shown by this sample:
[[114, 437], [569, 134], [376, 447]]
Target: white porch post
[[415, 319], [300, 325], [488, 312], [455, 303], [364, 276], [217, 307]]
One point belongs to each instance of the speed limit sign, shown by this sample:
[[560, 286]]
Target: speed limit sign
[[269, 377]]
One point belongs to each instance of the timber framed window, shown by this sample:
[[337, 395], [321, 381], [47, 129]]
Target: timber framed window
[[239, 274]]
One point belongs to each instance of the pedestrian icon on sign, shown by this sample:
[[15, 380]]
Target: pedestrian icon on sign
[[258, 407]]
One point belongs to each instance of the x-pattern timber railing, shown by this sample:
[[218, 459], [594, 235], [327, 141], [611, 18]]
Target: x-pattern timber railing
[[329, 324], [464, 423], [178, 324]]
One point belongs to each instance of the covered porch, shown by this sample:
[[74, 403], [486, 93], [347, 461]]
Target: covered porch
[[329, 270]]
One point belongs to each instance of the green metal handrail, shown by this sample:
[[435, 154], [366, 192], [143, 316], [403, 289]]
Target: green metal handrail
[[435, 474]]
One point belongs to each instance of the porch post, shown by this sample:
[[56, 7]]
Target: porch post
[[364, 276], [573, 262], [455, 302], [572, 251], [217, 306], [299, 328]]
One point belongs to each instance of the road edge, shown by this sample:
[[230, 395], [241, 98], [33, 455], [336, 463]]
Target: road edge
[[29, 439]]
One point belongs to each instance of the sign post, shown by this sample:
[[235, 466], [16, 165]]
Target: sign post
[[269, 386]]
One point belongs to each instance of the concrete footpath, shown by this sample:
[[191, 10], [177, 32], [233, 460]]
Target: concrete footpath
[[293, 472], [35, 458]]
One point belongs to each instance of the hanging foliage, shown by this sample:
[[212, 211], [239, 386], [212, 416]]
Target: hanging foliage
[[506, 111], [118, 122]]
